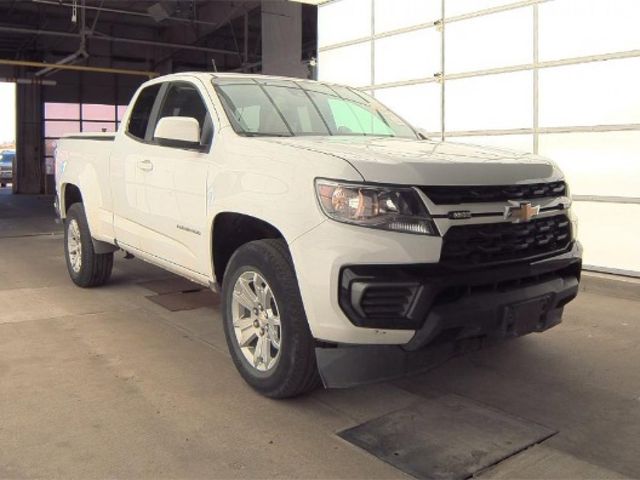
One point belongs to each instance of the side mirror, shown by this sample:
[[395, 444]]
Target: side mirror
[[181, 132]]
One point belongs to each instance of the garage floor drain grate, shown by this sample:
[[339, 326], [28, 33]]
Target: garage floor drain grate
[[449, 437], [189, 300], [177, 294]]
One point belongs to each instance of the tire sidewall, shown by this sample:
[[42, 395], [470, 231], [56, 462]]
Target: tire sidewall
[[76, 212]]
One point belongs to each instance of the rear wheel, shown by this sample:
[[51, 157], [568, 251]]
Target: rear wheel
[[86, 268], [264, 321]]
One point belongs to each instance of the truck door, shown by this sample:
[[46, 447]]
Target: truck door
[[128, 168], [174, 202]]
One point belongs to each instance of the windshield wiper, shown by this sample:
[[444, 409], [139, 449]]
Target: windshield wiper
[[263, 134]]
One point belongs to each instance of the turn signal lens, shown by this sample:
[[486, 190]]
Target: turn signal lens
[[387, 208]]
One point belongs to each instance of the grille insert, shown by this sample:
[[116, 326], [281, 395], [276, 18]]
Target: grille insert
[[385, 301], [501, 242], [452, 195]]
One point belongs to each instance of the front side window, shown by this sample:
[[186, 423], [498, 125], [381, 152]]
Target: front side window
[[183, 100], [139, 119], [291, 108]]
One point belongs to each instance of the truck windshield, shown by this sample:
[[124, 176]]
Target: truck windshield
[[286, 108]]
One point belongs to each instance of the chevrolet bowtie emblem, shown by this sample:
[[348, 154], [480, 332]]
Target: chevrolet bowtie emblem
[[520, 212]]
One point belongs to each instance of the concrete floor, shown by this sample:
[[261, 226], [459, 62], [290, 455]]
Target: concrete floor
[[105, 383]]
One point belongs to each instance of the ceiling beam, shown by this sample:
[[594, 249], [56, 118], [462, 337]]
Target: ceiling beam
[[79, 68], [121, 11], [97, 36]]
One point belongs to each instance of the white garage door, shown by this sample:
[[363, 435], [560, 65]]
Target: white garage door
[[556, 77]]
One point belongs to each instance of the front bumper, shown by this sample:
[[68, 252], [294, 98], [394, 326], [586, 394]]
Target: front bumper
[[464, 311], [432, 298], [322, 255]]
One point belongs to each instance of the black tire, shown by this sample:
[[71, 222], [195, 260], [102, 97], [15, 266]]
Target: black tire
[[95, 269], [295, 372]]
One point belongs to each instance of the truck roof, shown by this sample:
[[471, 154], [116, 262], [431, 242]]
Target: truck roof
[[205, 75]]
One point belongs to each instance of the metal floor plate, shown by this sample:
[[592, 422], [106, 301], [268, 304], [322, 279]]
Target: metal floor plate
[[172, 284], [449, 437]]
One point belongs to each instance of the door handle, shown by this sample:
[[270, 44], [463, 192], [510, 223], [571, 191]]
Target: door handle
[[146, 165]]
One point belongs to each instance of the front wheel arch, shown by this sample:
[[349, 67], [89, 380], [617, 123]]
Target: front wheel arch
[[232, 230]]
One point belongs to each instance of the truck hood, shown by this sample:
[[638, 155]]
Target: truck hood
[[426, 162]]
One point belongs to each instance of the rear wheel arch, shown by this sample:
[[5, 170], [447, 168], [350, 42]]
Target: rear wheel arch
[[70, 194], [231, 230]]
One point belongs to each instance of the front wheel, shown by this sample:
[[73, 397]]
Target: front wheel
[[264, 321], [86, 268]]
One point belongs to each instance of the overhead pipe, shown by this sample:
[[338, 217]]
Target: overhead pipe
[[108, 38], [78, 68], [127, 12], [78, 55]]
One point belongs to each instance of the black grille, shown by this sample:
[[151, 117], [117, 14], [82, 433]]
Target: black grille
[[470, 245], [451, 195], [386, 301]]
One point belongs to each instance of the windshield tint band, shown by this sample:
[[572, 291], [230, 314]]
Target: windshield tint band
[[257, 107]]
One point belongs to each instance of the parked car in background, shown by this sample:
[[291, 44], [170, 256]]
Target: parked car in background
[[6, 167]]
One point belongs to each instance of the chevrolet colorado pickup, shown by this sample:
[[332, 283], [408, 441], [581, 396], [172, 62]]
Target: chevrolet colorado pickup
[[343, 242]]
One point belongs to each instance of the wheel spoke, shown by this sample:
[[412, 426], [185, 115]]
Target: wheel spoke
[[247, 336], [273, 319], [265, 296], [266, 350], [244, 295], [243, 300], [257, 353], [246, 290], [243, 322]]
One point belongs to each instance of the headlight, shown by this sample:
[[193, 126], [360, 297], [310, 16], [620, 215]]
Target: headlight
[[387, 208]]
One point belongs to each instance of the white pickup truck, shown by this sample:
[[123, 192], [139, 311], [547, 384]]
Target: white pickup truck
[[345, 244]]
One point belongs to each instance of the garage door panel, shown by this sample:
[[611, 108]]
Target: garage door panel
[[609, 233], [490, 41], [595, 27], [395, 14], [460, 7], [418, 104], [349, 65], [343, 20], [522, 143], [408, 62], [490, 102], [597, 93], [597, 163]]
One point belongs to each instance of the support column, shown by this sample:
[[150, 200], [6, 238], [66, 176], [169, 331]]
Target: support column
[[29, 174], [282, 39]]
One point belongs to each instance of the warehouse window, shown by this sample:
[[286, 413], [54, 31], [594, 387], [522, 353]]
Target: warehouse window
[[62, 118]]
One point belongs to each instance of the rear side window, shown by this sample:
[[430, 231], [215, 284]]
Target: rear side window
[[183, 100], [139, 119]]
